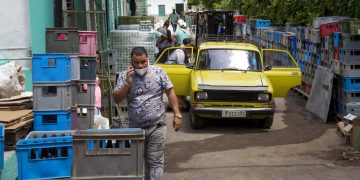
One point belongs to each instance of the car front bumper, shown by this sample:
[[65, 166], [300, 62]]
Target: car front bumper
[[251, 113]]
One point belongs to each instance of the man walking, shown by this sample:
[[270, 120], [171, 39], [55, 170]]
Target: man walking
[[143, 86], [174, 17]]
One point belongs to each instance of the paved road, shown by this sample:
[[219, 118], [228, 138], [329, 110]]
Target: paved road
[[298, 146]]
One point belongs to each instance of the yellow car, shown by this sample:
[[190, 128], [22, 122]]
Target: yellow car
[[232, 80]]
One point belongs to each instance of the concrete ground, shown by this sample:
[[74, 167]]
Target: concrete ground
[[298, 146]]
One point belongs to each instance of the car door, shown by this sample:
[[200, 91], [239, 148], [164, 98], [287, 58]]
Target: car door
[[179, 74], [282, 70]]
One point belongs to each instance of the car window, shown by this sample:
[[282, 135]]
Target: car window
[[229, 59], [278, 59]]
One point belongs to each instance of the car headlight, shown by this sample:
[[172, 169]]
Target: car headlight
[[263, 97], [201, 95]]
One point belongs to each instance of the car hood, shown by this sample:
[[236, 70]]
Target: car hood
[[231, 78]]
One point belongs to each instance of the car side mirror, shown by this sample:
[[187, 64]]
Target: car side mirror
[[190, 65], [268, 68]]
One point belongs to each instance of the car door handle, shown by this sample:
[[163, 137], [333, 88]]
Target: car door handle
[[294, 73]]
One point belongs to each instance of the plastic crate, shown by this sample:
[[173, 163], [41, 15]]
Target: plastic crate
[[51, 96], [350, 56], [87, 67], [85, 117], [119, 153], [355, 27], [239, 19], [353, 108], [350, 83], [262, 23], [62, 40], [347, 96], [348, 70], [2, 140], [83, 93], [52, 120], [88, 43], [326, 29], [41, 157], [75, 67], [336, 39], [51, 68], [345, 24], [350, 41]]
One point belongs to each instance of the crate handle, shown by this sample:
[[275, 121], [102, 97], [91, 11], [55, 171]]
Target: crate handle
[[49, 119], [107, 147], [49, 91], [49, 63], [62, 36], [83, 39]]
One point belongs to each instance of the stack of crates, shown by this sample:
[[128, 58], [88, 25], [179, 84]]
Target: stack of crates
[[64, 99], [239, 25], [347, 70]]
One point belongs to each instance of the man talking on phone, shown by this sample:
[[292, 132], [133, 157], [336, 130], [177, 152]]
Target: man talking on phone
[[143, 85]]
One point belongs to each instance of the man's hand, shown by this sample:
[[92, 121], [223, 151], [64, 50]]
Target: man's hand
[[129, 72], [177, 123]]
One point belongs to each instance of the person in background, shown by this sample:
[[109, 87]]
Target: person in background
[[97, 96], [133, 7], [143, 86], [174, 17], [182, 33]]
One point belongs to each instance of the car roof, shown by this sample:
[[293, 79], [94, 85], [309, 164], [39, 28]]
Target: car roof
[[228, 45]]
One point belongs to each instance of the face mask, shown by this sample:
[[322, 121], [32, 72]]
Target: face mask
[[142, 71]]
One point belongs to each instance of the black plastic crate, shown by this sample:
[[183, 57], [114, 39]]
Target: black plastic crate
[[62, 40]]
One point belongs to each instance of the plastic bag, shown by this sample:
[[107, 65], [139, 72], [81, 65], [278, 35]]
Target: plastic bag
[[9, 80], [101, 122]]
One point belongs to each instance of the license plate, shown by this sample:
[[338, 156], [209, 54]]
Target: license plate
[[233, 113]]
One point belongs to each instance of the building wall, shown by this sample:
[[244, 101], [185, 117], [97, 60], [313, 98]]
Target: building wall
[[15, 29], [153, 6]]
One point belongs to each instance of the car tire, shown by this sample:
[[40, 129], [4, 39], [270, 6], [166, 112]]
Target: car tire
[[195, 121], [267, 122]]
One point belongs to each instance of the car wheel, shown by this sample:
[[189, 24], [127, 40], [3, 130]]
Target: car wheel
[[195, 121], [267, 122]]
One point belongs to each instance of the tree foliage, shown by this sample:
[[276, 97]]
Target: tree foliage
[[279, 12]]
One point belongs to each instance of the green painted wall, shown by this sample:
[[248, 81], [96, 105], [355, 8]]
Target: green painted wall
[[41, 17]]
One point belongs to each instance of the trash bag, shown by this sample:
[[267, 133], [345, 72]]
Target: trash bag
[[101, 122], [9, 80]]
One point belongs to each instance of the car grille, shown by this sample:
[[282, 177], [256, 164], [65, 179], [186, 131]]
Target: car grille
[[232, 96]]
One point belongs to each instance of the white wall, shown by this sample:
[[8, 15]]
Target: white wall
[[153, 6], [14, 29]]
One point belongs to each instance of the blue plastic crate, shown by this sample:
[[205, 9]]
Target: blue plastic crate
[[52, 120], [262, 23], [51, 68], [44, 158], [350, 83], [336, 40], [2, 137]]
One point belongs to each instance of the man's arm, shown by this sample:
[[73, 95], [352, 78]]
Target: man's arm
[[173, 101], [120, 94], [123, 86]]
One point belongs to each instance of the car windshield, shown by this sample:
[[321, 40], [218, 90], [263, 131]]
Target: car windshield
[[229, 59]]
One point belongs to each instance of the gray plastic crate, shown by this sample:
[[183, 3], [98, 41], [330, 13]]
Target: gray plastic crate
[[87, 67], [353, 108], [85, 117], [46, 134], [62, 40], [52, 96], [75, 67], [108, 154], [348, 96], [350, 70], [350, 41], [350, 56], [81, 95]]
